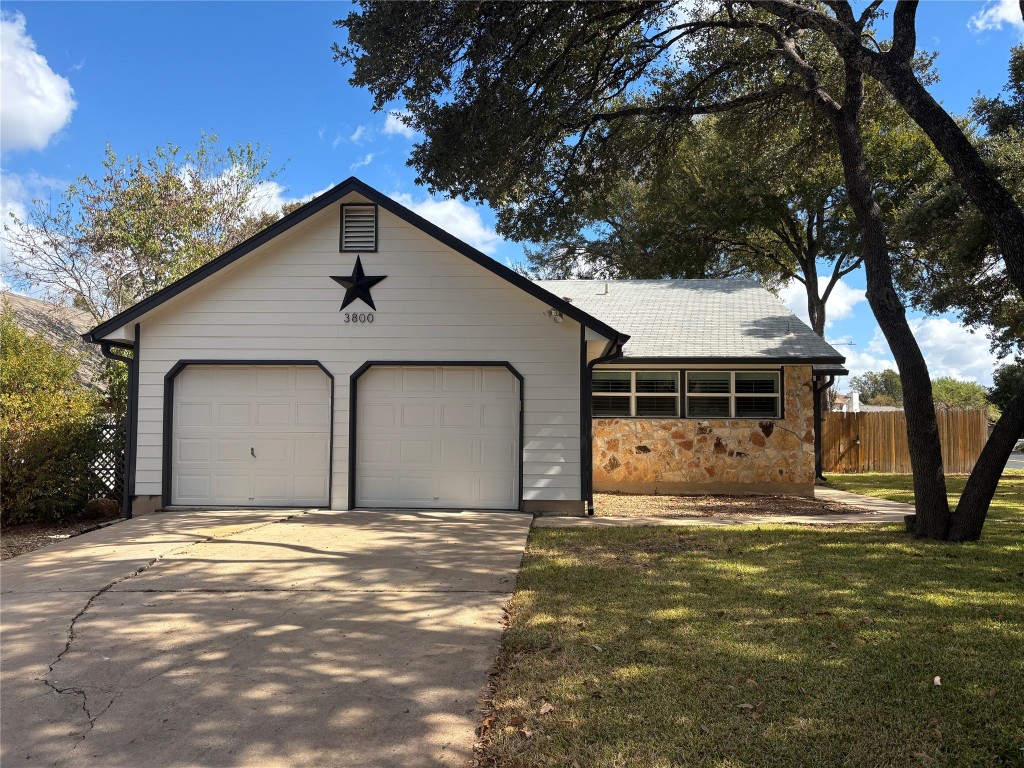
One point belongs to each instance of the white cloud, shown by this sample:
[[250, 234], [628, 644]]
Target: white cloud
[[461, 220], [358, 135], [839, 306], [952, 350], [364, 161], [37, 102], [995, 14], [394, 125], [270, 197]]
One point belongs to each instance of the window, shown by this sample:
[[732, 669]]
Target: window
[[648, 394], [733, 394]]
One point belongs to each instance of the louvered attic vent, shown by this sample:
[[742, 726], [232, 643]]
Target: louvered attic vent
[[358, 228]]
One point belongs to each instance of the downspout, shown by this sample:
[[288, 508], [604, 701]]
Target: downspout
[[612, 351], [819, 391], [107, 348]]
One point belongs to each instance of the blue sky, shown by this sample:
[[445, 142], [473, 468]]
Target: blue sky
[[79, 75]]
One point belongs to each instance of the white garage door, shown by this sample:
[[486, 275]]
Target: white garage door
[[444, 437], [251, 435]]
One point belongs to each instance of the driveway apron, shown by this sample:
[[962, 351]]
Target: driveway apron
[[256, 638]]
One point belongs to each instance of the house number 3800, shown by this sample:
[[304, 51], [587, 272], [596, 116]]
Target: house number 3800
[[359, 317]]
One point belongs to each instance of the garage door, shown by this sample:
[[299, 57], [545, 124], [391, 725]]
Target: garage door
[[444, 437], [251, 435]]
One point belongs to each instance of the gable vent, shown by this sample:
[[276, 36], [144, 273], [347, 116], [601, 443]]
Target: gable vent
[[358, 228]]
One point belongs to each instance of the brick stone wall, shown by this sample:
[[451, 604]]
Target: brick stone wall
[[734, 456]]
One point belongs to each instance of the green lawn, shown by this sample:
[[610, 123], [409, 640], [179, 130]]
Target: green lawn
[[774, 646]]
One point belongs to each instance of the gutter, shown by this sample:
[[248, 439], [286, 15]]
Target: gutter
[[131, 416], [819, 390], [612, 351]]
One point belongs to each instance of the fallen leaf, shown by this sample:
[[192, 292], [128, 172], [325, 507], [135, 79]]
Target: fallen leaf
[[517, 720], [719, 614], [509, 729], [823, 613], [547, 708], [832, 646], [867, 620], [937, 680], [846, 626], [745, 706], [752, 683], [992, 692], [859, 640], [755, 715], [705, 729], [922, 756], [527, 733], [597, 647], [945, 628]]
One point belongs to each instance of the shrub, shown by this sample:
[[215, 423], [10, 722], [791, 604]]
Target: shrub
[[50, 431]]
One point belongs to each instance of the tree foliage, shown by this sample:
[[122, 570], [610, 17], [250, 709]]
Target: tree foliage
[[956, 395], [878, 388], [48, 428], [1007, 383], [145, 221], [586, 91], [950, 260]]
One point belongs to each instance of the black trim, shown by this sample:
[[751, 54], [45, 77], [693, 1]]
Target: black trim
[[611, 351], [349, 186], [341, 228], [353, 391], [585, 465], [131, 417], [178, 367]]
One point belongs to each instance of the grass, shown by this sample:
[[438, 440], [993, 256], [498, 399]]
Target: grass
[[770, 646]]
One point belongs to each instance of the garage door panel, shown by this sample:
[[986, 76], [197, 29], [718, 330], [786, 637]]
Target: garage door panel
[[234, 414], [444, 436], [418, 415], [194, 414], [254, 431]]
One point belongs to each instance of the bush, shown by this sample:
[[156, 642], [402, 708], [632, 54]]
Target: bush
[[50, 430]]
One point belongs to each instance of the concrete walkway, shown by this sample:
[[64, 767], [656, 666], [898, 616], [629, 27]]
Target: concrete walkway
[[260, 638], [863, 509]]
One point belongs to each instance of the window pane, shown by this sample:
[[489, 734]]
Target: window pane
[[611, 381], [658, 407], [757, 383], [603, 405], [716, 407], [657, 381], [708, 381], [757, 407]]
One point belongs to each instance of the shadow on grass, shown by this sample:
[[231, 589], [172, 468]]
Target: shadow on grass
[[777, 646]]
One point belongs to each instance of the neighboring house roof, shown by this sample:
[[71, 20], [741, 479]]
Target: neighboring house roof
[[698, 320], [317, 204], [61, 326]]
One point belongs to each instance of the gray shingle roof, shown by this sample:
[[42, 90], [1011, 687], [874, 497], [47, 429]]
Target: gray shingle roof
[[697, 319]]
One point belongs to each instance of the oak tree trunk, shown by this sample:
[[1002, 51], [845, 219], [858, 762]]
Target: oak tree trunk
[[930, 500], [981, 485]]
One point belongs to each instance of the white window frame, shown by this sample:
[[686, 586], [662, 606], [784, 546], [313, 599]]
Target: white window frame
[[732, 395], [633, 395]]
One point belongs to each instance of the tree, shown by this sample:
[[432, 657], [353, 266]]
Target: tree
[[1007, 383], [881, 388], [144, 222], [955, 395], [950, 261], [48, 436], [577, 88]]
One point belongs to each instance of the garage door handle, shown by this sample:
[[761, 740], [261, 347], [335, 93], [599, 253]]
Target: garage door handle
[[253, 452]]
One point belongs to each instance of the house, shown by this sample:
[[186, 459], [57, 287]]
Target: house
[[851, 404], [355, 355], [61, 326]]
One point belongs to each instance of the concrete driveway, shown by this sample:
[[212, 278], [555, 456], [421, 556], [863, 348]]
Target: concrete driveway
[[262, 638]]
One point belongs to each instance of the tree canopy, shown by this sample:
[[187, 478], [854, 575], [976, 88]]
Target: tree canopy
[[145, 221]]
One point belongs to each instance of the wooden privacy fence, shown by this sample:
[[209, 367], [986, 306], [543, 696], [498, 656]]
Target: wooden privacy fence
[[877, 441]]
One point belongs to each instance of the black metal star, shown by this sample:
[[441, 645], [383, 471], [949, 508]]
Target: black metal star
[[358, 285]]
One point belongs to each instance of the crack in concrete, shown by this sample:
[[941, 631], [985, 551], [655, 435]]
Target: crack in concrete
[[75, 690]]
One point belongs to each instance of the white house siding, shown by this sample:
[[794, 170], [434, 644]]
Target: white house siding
[[279, 303]]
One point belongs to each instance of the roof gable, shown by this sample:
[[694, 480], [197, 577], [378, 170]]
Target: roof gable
[[314, 206]]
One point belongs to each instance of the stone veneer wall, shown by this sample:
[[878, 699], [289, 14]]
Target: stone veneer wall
[[733, 456]]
